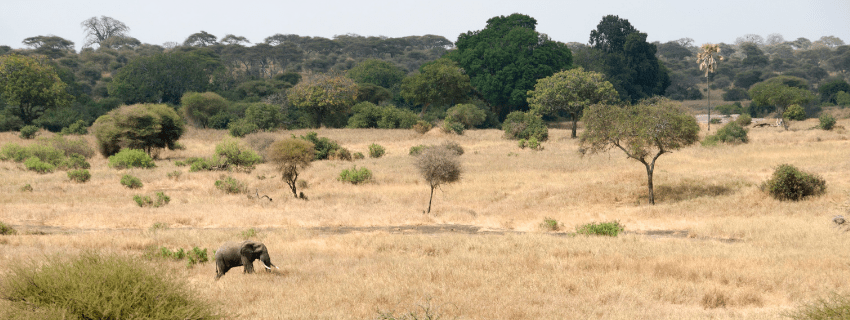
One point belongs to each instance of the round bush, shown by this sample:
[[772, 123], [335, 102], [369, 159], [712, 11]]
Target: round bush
[[795, 112], [29, 132], [732, 133], [827, 121], [35, 164], [789, 183], [131, 181], [524, 125], [355, 176], [744, 120], [376, 150], [450, 126], [81, 175], [131, 158]]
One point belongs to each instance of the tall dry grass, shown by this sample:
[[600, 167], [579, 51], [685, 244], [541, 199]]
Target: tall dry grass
[[745, 255]]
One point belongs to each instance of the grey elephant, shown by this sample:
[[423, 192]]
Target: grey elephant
[[234, 254]]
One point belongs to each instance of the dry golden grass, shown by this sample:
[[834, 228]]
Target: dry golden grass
[[742, 254]]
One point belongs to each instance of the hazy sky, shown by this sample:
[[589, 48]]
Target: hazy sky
[[158, 21]]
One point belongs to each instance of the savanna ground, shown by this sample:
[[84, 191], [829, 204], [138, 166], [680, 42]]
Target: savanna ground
[[714, 247]]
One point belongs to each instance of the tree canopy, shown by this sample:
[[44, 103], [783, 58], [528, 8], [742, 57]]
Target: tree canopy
[[323, 94], [139, 126], [441, 82], [100, 29], [30, 86], [644, 131], [163, 77], [571, 91], [378, 72], [779, 95], [505, 59]]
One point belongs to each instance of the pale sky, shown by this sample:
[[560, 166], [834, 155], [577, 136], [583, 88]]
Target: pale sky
[[158, 21]]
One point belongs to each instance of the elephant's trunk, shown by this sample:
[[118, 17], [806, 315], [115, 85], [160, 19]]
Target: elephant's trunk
[[264, 265]]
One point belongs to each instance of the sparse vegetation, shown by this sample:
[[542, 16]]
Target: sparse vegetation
[[231, 185], [836, 306], [193, 256], [26, 188], [146, 201], [789, 183], [550, 224], [611, 229], [7, 230]]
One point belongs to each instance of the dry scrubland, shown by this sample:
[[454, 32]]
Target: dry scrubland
[[741, 254]]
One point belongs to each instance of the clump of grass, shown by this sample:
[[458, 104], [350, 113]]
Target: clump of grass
[[250, 233], [550, 224], [193, 256], [146, 201], [416, 150], [834, 307], [6, 230], [231, 185], [79, 176], [355, 176], [175, 174], [126, 288], [715, 299], [26, 188], [611, 229], [158, 226], [789, 183], [376, 150], [131, 181], [131, 158]]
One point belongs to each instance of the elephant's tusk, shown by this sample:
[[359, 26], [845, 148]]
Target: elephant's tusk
[[264, 265]]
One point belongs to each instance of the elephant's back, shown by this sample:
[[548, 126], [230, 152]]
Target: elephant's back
[[228, 248]]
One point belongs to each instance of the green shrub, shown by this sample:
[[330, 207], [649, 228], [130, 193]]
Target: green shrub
[[794, 112], [835, 307], [231, 185], [193, 256], [144, 127], [358, 156], [422, 126], [125, 288], [143, 201], [735, 94], [533, 144], [827, 121], [376, 150], [731, 133], [14, 152], [81, 175], [237, 155], [467, 114], [789, 183], [146, 201], [35, 164], [131, 158], [744, 120], [213, 163], [728, 109], [549, 224], [368, 115], [76, 161], [79, 127], [197, 108], [392, 118], [324, 147], [842, 98], [340, 154], [450, 126], [131, 181], [6, 230], [524, 125], [241, 128], [610, 229], [417, 150], [29, 132], [355, 176]]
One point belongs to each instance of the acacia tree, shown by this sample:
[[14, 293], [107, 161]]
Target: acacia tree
[[29, 86], [571, 91], [98, 30], [323, 94], [291, 155], [707, 63], [378, 72], [644, 131], [50, 45], [139, 126], [438, 165], [200, 39], [441, 82], [780, 95]]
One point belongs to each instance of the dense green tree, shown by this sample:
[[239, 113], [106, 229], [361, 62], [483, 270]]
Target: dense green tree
[[121, 42], [139, 126], [747, 78], [630, 62], [100, 29], [200, 39], [377, 72], [373, 93], [674, 50], [778, 94], [162, 77], [198, 108], [829, 89], [571, 91], [50, 45], [322, 95], [29, 86], [755, 57], [441, 83], [644, 131], [505, 59]]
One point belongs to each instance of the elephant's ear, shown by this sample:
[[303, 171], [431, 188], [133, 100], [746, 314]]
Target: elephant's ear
[[248, 249]]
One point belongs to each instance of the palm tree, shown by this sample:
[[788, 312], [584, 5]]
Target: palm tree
[[709, 65]]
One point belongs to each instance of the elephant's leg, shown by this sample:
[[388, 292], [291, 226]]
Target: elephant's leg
[[248, 264], [220, 269]]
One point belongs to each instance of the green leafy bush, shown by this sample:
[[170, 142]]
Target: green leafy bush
[[376, 150], [744, 120], [81, 175], [795, 112], [231, 185], [452, 126], [131, 158], [193, 256], [198, 107], [842, 98], [6, 230], [550, 224], [835, 307], [79, 127], [355, 176], [789, 183], [610, 229], [76, 161], [731, 133], [140, 126], [241, 128], [35, 164], [368, 115], [126, 288], [143, 201], [524, 125], [827, 121], [324, 147], [422, 126], [728, 109], [467, 114], [358, 156], [146, 201], [29, 132], [213, 163], [735, 94], [237, 155], [131, 181], [531, 143]]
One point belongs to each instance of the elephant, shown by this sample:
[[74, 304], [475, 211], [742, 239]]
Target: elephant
[[234, 254]]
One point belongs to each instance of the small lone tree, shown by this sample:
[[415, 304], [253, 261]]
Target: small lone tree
[[643, 131], [438, 165], [291, 155], [571, 91]]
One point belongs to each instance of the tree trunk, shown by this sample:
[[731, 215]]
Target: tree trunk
[[431, 198], [575, 124], [649, 169], [709, 104]]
